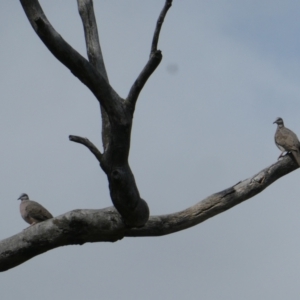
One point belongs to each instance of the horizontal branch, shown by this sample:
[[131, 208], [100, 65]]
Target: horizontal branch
[[106, 225], [216, 203], [86, 142], [68, 56], [74, 227]]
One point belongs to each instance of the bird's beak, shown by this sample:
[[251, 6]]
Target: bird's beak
[[274, 122]]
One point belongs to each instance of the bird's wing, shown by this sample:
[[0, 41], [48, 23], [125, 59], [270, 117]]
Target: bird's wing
[[37, 211], [288, 139]]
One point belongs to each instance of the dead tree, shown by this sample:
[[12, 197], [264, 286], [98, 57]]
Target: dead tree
[[129, 216]]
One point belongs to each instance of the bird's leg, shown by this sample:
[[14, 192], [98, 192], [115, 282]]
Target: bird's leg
[[281, 154]]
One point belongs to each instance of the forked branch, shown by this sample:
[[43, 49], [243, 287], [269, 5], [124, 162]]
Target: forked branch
[[68, 56], [117, 118]]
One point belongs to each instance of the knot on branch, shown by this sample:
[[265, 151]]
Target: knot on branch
[[116, 174]]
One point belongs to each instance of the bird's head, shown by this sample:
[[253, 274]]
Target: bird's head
[[278, 121], [23, 197]]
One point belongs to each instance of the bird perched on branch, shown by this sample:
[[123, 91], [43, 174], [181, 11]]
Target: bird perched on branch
[[33, 212], [286, 140]]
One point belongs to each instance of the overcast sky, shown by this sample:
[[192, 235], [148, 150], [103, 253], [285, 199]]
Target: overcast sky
[[203, 122]]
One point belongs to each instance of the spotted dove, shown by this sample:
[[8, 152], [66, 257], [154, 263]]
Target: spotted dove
[[286, 140], [33, 212]]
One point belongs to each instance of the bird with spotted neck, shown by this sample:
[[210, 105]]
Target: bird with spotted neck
[[286, 140], [33, 212]]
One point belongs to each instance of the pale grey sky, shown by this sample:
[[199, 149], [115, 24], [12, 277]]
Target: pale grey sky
[[196, 131]]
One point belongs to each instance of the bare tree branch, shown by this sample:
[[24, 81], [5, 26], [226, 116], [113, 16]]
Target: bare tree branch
[[153, 62], [216, 203], [88, 144], [159, 23], [68, 56], [139, 83], [123, 189], [105, 225], [68, 229], [86, 11]]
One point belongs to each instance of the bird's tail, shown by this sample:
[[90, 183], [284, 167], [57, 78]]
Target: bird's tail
[[296, 155]]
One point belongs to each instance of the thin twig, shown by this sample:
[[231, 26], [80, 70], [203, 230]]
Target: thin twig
[[139, 83], [159, 23], [153, 62], [86, 142]]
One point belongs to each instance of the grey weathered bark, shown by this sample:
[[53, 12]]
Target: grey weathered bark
[[105, 225], [86, 11], [116, 112], [130, 215]]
